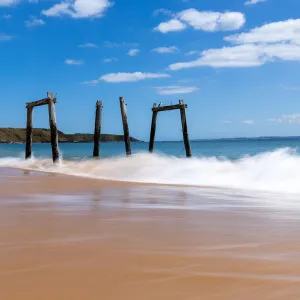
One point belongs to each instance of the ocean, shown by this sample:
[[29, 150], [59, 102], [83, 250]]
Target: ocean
[[270, 164]]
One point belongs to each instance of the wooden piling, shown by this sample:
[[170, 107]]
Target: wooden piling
[[29, 133], [185, 130], [98, 120], [153, 129], [53, 128], [125, 126]]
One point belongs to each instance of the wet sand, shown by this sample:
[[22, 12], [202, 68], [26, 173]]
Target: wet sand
[[71, 238]]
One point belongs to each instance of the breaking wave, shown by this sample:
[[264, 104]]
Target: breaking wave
[[277, 171]]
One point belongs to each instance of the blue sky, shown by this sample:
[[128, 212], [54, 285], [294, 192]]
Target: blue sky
[[235, 63]]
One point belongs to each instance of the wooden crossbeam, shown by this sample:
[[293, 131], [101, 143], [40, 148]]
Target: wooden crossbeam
[[168, 107], [40, 102], [181, 106]]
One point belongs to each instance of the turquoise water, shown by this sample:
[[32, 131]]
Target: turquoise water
[[231, 149]]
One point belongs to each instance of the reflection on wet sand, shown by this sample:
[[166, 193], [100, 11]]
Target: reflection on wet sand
[[72, 238]]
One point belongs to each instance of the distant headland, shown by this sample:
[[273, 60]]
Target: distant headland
[[42, 135]]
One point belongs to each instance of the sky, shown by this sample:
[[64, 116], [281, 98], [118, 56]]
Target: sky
[[235, 63]]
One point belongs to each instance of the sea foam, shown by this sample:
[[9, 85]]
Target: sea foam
[[277, 171]]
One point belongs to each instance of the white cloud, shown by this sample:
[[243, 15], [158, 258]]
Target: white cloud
[[88, 45], [172, 25], [171, 49], [34, 22], [126, 77], [212, 21], [8, 2], [5, 37], [73, 62], [110, 59], [162, 11], [176, 90], [290, 119], [248, 122], [252, 2], [203, 20], [79, 9], [6, 17], [283, 31], [227, 122], [133, 52], [248, 55]]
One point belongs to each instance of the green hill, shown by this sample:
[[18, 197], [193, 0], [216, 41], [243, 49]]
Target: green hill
[[41, 135]]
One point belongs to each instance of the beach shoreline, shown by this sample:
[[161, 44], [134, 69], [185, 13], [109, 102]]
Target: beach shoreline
[[66, 237]]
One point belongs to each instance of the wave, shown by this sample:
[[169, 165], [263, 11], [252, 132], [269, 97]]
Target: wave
[[277, 171]]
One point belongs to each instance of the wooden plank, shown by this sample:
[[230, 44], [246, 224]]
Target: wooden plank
[[40, 102], [28, 152], [53, 129], [153, 129], [98, 120], [168, 107], [185, 129], [125, 126]]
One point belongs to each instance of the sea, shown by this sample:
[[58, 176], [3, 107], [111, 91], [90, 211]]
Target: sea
[[262, 164]]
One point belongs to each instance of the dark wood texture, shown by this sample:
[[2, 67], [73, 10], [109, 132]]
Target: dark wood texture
[[125, 126], [53, 130], [185, 129], [168, 107], [28, 152], [98, 120], [40, 102], [153, 129]]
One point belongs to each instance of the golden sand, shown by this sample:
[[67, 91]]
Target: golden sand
[[71, 238]]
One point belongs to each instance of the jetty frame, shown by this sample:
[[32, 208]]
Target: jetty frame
[[50, 101], [181, 106]]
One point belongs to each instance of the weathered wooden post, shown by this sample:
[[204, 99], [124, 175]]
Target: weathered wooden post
[[98, 120], [125, 126], [153, 129], [53, 128], [29, 132], [185, 130]]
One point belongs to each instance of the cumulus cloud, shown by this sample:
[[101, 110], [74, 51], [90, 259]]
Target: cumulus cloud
[[283, 31], [171, 49], [212, 21], [270, 42], [290, 119], [126, 77], [133, 52], [252, 2], [176, 90], [34, 22], [172, 25], [88, 45], [203, 20], [73, 62], [8, 2], [248, 122], [79, 9]]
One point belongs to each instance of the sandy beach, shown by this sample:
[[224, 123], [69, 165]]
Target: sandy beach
[[64, 237]]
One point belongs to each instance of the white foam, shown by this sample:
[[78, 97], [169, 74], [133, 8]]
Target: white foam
[[277, 171]]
